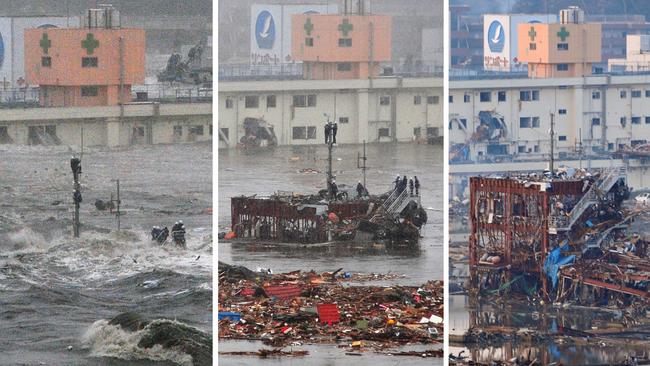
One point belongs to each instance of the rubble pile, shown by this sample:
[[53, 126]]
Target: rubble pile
[[332, 307]]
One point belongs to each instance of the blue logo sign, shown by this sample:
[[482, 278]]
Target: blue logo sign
[[265, 30], [496, 36], [2, 51]]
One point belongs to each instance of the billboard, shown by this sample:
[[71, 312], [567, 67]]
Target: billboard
[[500, 39], [12, 44], [271, 30]]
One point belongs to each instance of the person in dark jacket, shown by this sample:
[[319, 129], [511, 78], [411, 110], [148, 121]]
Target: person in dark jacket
[[334, 129], [404, 183], [327, 132], [417, 185], [360, 190], [411, 187], [397, 182], [334, 189]]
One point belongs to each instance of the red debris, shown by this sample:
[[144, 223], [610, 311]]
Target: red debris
[[283, 292], [328, 313]]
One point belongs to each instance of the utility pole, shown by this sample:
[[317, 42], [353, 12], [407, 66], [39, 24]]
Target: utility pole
[[551, 168], [363, 166], [117, 202], [75, 165], [330, 139]]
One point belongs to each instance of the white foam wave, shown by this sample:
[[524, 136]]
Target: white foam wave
[[106, 340]]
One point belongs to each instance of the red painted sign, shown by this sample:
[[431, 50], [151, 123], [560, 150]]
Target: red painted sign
[[328, 313], [283, 292]]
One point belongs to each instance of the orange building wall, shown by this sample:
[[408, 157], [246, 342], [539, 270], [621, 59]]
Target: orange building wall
[[66, 52], [584, 48], [325, 32]]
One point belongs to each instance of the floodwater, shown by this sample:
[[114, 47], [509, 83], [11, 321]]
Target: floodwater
[[57, 293], [463, 313], [266, 171]]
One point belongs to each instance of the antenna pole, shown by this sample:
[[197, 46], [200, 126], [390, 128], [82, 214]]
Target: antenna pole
[[118, 205], [552, 143]]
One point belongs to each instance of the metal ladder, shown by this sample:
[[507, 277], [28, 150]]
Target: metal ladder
[[592, 196], [393, 205]]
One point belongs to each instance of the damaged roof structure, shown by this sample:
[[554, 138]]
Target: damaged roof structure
[[562, 238]]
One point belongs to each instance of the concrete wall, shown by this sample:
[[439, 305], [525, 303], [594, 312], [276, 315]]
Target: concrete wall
[[357, 100], [575, 102], [103, 126]]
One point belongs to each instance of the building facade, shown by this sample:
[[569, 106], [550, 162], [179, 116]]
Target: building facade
[[384, 109], [599, 113]]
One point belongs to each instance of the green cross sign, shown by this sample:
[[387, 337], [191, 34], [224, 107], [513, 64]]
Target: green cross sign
[[309, 26], [45, 43], [532, 34], [90, 43], [563, 34], [345, 27]]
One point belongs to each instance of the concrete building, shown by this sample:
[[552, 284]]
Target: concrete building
[[384, 109], [598, 113], [12, 51], [341, 46], [90, 66], [144, 123], [565, 49], [637, 56]]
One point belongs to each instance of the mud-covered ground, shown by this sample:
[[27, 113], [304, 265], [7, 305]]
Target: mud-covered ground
[[57, 294]]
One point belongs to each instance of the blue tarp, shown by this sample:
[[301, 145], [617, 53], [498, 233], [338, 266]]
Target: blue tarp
[[555, 260]]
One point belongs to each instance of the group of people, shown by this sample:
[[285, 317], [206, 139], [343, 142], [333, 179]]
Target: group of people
[[413, 184], [330, 132], [160, 235]]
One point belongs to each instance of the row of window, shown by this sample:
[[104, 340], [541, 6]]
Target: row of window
[[309, 100], [46, 61], [486, 96], [196, 130], [343, 42]]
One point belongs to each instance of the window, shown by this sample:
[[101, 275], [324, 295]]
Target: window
[[485, 96], [89, 91], [536, 148], [384, 132], [299, 133], [196, 130], [229, 103], [345, 42], [309, 42], [451, 99], [344, 66], [178, 131], [535, 122], [417, 131], [528, 95], [344, 120], [223, 134], [463, 121], [636, 120], [384, 100], [524, 122], [595, 121], [562, 67], [532, 46], [595, 95], [311, 100], [46, 61], [138, 131], [636, 93], [535, 94], [562, 46], [466, 98], [623, 94], [647, 93], [311, 132], [623, 121], [417, 100], [647, 120], [301, 101], [501, 96], [610, 146], [252, 101], [561, 111], [270, 101], [89, 62], [433, 99], [561, 138], [521, 149]]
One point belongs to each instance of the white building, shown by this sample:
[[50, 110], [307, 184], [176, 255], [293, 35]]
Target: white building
[[376, 110], [500, 39], [594, 113], [637, 55]]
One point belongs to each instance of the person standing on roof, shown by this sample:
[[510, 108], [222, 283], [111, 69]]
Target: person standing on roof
[[397, 182], [334, 129], [360, 189], [417, 185], [335, 189], [327, 133], [404, 184], [411, 187]]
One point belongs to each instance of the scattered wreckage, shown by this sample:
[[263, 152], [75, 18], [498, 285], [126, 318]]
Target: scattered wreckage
[[330, 308]]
